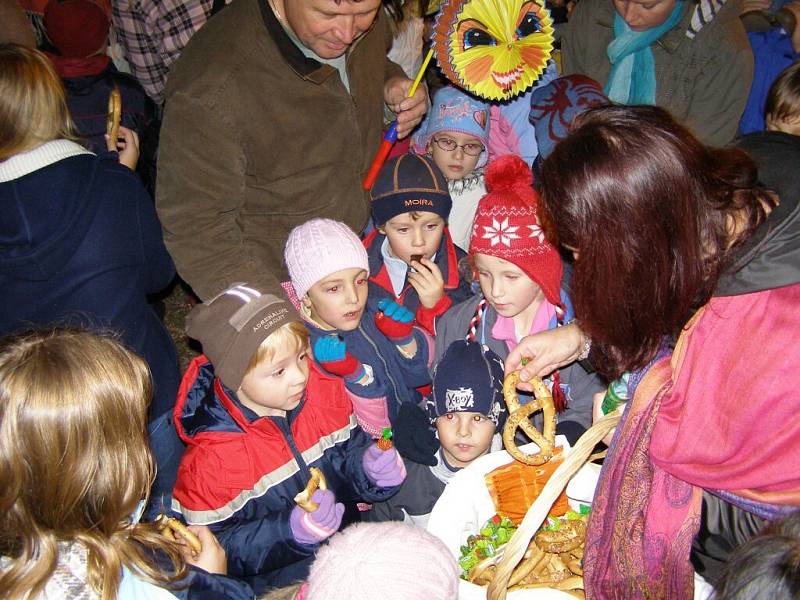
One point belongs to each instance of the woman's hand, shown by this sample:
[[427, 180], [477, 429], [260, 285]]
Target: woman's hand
[[545, 352], [597, 413], [127, 144], [212, 557]]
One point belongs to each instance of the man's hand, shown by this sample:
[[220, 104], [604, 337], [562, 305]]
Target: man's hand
[[427, 280], [409, 111]]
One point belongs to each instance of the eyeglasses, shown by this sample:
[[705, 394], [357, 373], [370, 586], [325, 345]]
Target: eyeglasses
[[449, 145]]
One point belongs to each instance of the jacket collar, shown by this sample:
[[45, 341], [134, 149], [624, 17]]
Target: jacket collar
[[308, 68]]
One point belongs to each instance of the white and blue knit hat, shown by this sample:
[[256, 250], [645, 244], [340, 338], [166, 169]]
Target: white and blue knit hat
[[453, 110]]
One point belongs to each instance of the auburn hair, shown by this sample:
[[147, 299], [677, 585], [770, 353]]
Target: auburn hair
[[33, 104], [75, 461], [654, 216]]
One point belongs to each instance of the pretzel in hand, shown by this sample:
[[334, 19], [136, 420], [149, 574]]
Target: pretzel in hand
[[175, 531], [317, 481], [518, 417], [114, 115]]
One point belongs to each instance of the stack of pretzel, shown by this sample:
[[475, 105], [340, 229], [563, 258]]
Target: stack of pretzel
[[552, 559]]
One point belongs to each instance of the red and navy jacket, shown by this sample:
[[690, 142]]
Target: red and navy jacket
[[240, 472], [447, 257]]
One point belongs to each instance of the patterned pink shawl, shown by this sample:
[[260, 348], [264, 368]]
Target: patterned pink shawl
[[720, 414]]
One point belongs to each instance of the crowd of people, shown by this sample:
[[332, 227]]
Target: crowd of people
[[637, 229]]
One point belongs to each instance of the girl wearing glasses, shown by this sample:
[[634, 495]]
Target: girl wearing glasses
[[454, 135]]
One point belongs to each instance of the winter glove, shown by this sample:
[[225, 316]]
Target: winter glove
[[384, 468], [331, 352], [313, 527], [413, 435], [394, 321]]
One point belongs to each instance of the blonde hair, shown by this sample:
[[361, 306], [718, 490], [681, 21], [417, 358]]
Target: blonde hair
[[33, 104], [74, 461], [783, 98], [292, 335]]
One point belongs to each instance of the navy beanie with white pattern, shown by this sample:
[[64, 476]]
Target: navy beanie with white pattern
[[469, 378]]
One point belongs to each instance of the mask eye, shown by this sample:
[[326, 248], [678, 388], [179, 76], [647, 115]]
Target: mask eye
[[477, 37], [530, 24]]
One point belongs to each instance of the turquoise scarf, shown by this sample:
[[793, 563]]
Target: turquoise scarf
[[633, 69]]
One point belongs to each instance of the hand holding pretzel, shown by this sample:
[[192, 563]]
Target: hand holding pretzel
[[175, 531], [518, 417]]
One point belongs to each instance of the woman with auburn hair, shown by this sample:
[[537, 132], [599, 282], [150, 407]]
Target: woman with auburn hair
[[685, 275], [75, 471], [79, 237]]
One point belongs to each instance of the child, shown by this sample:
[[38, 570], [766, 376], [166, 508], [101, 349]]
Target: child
[[256, 414], [74, 474], [371, 344], [412, 259], [467, 411], [519, 273], [455, 135], [782, 109]]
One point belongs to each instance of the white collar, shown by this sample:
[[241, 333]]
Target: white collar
[[48, 153]]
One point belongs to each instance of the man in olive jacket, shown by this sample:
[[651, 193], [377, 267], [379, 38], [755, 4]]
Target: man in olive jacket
[[273, 114]]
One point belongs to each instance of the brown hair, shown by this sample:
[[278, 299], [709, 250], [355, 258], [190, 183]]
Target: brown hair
[[74, 461], [33, 105], [654, 215], [783, 98]]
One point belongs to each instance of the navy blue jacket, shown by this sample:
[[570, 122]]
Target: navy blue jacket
[[241, 472], [80, 243], [395, 377]]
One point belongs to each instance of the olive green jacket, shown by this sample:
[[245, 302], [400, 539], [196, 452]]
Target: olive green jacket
[[258, 139], [704, 82]]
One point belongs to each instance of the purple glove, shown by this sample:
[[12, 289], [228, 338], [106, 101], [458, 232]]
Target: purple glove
[[314, 527], [383, 468]]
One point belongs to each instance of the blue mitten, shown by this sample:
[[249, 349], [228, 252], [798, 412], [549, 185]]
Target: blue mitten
[[395, 321], [331, 352]]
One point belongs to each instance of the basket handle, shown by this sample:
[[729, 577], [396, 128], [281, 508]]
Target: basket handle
[[574, 460]]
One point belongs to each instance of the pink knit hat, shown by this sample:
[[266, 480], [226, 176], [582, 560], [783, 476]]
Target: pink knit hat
[[395, 561], [318, 248], [506, 226]]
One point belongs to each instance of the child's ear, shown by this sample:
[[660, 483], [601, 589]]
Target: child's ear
[[381, 229], [306, 301]]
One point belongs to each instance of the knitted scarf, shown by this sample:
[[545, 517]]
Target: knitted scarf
[[633, 68]]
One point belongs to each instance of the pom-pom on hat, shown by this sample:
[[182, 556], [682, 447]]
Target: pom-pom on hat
[[469, 378], [506, 226], [453, 110], [555, 105], [78, 28], [232, 325], [318, 248], [408, 183], [396, 561]]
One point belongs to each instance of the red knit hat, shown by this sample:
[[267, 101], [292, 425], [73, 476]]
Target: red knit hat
[[78, 28], [506, 226]]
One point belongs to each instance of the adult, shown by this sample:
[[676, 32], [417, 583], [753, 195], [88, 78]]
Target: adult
[[79, 237], [681, 278], [274, 112], [643, 52]]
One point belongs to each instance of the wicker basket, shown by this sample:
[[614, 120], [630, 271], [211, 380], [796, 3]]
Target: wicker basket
[[515, 549]]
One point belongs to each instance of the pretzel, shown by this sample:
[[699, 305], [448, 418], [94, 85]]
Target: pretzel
[[566, 538], [317, 481], [518, 417], [114, 114], [174, 530]]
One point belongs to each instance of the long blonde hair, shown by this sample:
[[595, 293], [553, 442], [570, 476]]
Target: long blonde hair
[[33, 104], [74, 461]]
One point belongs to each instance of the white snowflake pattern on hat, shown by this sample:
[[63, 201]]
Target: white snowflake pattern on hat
[[500, 232], [537, 232]]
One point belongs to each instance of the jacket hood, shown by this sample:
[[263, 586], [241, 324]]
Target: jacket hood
[[46, 212], [204, 404], [771, 257]]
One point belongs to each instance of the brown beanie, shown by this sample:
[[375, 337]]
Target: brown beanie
[[232, 325]]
